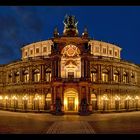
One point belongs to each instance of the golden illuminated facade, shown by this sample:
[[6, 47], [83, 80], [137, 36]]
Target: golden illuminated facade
[[70, 73]]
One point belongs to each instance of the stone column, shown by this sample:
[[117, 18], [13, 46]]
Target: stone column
[[82, 68], [21, 75], [30, 74], [99, 73]]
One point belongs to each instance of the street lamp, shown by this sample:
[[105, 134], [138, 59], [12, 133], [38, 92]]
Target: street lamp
[[105, 99], [6, 99], [25, 100], [15, 102], [128, 98], [1, 98], [136, 98], [117, 101]]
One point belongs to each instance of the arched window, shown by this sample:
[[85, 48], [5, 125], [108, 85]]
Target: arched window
[[105, 75], [48, 75], [125, 77], [17, 77], [94, 75], [26, 76], [36, 75], [116, 76]]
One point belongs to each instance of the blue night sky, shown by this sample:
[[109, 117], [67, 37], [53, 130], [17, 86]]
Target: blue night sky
[[21, 25]]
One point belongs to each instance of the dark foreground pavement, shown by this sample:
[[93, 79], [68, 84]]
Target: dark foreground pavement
[[33, 123]]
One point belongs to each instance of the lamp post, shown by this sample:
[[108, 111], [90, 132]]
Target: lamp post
[[6, 99], [25, 100], [15, 102], [117, 102], [105, 99], [128, 98], [136, 99]]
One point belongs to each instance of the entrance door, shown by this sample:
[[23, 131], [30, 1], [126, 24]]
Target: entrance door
[[71, 103]]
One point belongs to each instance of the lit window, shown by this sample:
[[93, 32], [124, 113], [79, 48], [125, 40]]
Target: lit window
[[26, 76], [36, 76], [48, 75], [45, 49], [17, 77], [104, 50], [31, 52], [116, 54], [93, 76], [105, 76], [37, 50], [110, 52], [26, 53], [97, 49], [116, 76], [125, 77]]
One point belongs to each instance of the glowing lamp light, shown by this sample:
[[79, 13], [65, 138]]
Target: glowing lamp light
[[6, 98], [76, 102], [25, 98], [105, 98], [117, 98], [65, 102], [1, 97], [128, 98], [136, 98], [37, 98], [14, 98]]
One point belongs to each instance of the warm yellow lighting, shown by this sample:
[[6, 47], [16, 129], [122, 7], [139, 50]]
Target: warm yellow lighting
[[6, 97], [25, 98], [128, 98], [105, 98], [37, 98], [1, 97], [117, 98], [136, 98], [14, 98], [65, 102], [76, 102]]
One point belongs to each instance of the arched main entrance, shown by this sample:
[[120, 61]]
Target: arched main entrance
[[70, 100]]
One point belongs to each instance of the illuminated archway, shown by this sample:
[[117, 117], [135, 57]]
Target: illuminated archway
[[70, 100], [70, 62]]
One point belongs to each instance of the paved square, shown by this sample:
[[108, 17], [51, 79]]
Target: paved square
[[35, 123]]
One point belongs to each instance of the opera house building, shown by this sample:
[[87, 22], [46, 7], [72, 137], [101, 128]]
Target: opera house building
[[70, 73]]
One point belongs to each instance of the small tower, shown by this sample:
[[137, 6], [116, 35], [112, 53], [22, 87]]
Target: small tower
[[70, 26], [55, 33]]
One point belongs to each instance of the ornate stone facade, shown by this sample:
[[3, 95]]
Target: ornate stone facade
[[70, 73]]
